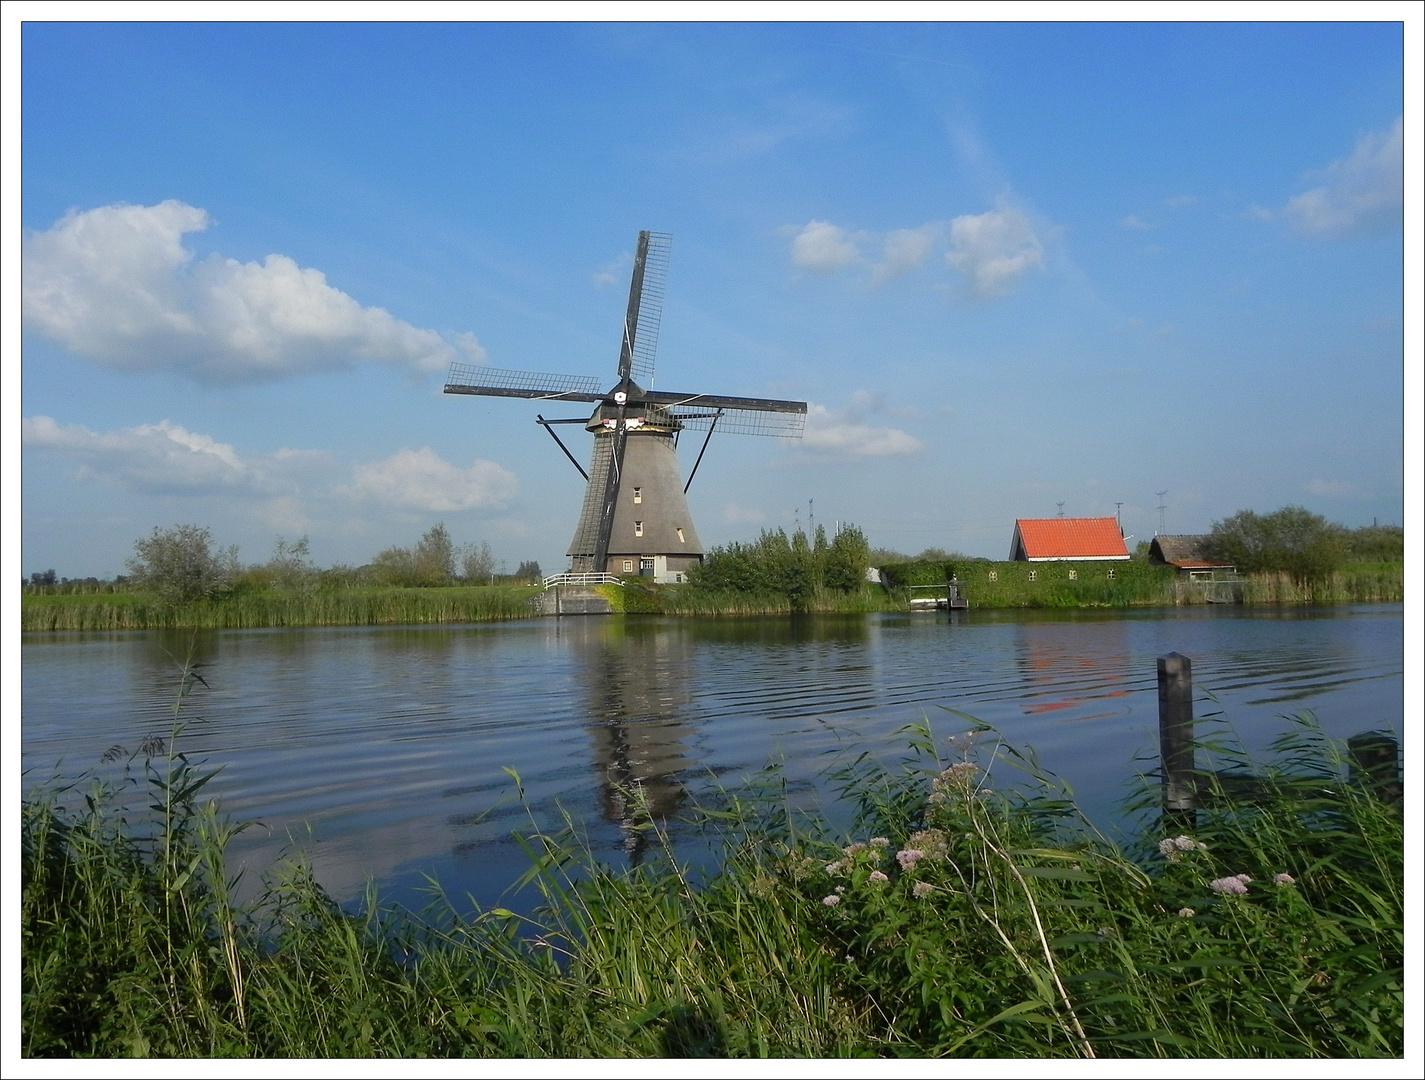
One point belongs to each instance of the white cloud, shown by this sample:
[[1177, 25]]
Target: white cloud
[[422, 480], [904, 250], [1330, 488], [843, 434], [117, 285], [994, 249], [1133, 221], [1178, 202], [732, 514], [161, 458], [823, 247], [1364, 191]]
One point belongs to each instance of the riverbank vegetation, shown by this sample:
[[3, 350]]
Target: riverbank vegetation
[[178, 579], [966, 915]]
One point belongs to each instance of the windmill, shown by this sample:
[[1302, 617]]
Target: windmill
[[635, 514]]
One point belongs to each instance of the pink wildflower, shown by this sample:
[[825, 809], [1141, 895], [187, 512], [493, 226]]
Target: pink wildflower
[[835, 868], [1186, 913], [1170, 848], [922, 889], [1284, 879], [1231, 886], [909, 857], [880, 841], [832, 900], [878, 877]]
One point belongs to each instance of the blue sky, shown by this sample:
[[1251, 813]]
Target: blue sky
[[1009, 265]]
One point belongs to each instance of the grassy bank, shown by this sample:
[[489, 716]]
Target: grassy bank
[[346, 607], [956, 921], [987, 585], [1135, 583]]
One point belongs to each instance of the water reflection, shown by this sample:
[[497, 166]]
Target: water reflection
[[392, 742], [635, 676], [1074, 667]]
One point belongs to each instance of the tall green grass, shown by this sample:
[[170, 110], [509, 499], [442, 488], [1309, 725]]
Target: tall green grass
[[956, 920], [348, 607]]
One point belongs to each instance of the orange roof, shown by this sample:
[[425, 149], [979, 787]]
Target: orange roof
[[1070, 538]]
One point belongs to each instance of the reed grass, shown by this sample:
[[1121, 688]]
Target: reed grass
[[347, 607], [957, 920]]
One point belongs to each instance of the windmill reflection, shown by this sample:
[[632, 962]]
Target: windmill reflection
[[639, 704]]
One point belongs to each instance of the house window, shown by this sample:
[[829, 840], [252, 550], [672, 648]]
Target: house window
[[1073, 575], [645, 567], [638, 528], [680, 536], [1112, 574], [994, 575], [1034, 575], [638, 495], [628, 566]]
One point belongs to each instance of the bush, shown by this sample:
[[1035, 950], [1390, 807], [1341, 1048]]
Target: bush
[[179, 565], [792, 567], [1291, 541], [1377, 543]]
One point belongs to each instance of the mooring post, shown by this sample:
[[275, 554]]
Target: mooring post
[[1375, 763], [1175, 732]]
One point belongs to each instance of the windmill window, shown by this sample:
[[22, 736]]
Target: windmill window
[[680, 536], [1073, 575], [1034, 575], [638, 495], [638, 528], [994, 575], [628, 566]]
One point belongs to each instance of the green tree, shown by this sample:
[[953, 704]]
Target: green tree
[[477, 564], [529, 571], [179, 565], [434, 556], [290, 567], [847, 560], [1291, 540]]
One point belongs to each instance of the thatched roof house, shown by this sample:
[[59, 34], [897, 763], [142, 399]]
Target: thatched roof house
[[1067, 539], [1186, 553]]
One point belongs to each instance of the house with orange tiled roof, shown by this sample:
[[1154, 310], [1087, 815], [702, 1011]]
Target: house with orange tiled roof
[[1067, 539]]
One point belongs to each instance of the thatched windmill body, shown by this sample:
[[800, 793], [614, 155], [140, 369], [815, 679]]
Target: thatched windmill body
[[635, 517]]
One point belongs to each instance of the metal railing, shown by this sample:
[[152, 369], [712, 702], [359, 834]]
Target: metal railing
[[581, 579]]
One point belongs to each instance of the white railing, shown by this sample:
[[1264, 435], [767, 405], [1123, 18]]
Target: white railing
[[581, 579]]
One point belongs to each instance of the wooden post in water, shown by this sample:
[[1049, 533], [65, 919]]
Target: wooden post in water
[[1375, 764], [1175, 733]]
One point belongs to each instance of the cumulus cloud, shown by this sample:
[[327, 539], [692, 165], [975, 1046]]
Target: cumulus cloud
[[1133, 221], [1362, 192], [823, 247], [422, 480], [994, 249], [844, 433], [161, 458], [168, 459], [117, 285]]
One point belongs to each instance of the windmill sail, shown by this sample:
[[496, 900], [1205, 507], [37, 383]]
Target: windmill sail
[[645, 307], [499, 382]]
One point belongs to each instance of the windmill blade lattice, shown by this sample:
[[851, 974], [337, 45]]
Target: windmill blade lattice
[[500, 382], [655, 251]]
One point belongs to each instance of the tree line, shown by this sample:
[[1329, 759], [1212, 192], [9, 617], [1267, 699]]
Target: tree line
[[182, 564], [794, 566], [1296, 542]]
